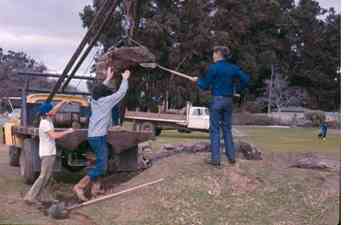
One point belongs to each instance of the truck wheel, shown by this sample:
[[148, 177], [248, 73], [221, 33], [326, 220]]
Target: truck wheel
[[136, 126], [14, 155], [27, 170], [184, 131], [158, 131], [148, 127]]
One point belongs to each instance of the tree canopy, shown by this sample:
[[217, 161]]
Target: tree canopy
[[11, 84], [10, 61], [302, 40]]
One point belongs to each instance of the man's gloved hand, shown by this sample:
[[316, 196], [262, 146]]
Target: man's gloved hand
[[194, 79]]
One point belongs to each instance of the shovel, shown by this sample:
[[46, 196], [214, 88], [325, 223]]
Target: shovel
[[59, 211], [155, 65]]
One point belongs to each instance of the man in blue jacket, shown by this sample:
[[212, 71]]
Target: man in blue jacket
[[220, 78]]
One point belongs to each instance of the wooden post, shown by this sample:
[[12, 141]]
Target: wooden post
[[270, 88], [24, 108]]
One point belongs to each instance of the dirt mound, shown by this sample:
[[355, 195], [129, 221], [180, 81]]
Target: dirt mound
[[250, 192], [240, 183]]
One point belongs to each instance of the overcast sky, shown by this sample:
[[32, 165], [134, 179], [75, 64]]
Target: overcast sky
[[50, 30]]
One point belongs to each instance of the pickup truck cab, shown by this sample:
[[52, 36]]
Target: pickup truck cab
[[191, 118], [199, 118]]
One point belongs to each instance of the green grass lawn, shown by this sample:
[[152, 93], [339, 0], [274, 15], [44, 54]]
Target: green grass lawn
[[293, 139], [174, 137], [268, 139]]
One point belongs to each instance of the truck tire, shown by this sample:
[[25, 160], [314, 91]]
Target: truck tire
[[14, 155], [136, 126], [27, 162], [158, 131], [187, 131], [148, 127]]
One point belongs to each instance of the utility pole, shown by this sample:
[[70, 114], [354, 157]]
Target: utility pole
[[270, 88]]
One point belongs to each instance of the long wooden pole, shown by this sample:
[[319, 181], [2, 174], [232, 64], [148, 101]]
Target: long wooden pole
[[92, 42], [176, 73], [79, 49], [114, 195]]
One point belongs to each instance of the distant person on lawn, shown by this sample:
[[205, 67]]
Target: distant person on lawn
[[47, 153], [102, 102], [323, 128], [220, 78]]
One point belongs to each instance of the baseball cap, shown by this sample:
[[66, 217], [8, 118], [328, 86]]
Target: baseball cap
[[45, 108]]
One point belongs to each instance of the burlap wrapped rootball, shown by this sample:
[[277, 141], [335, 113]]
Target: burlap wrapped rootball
[[121, 59]]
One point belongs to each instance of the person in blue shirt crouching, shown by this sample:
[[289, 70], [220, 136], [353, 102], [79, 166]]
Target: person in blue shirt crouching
[[220, 78]]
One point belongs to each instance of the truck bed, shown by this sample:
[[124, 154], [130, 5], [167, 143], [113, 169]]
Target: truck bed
[[159, 117], [118, 138]]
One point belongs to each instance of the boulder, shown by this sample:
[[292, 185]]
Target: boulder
[[248, 151], [315, 162], [144, 155]]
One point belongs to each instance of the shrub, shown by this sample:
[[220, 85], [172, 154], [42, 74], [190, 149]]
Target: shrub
[[332, 124], [316, 117], [253, 107], [253, 119]]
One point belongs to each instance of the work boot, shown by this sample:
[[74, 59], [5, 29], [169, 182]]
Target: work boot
[[232, 161], [80, 188], [217, 164], [97, 188]]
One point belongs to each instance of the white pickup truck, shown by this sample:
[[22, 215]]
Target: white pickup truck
[[193, 118]]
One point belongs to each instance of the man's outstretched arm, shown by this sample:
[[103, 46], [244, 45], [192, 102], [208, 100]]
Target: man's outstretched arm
[[58, 106], [59, 134], [112, 100], [243, 77], [204, 83]]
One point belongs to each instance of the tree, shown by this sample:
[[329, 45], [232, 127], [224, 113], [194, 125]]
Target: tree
[[10, 83], [260, 33], [281, 94], [10, 61], [315, 59]]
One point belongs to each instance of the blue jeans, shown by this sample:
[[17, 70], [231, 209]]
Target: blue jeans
[[100, 148], [221, 114], [115, 115]]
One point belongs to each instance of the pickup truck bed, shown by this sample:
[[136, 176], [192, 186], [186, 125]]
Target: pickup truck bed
[[157, 117], [118, 138]]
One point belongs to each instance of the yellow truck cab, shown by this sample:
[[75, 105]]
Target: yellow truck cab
[[11, 139]]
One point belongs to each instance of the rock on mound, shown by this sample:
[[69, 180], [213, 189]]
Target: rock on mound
[[249, 151], [243, 149], [316, 162]]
